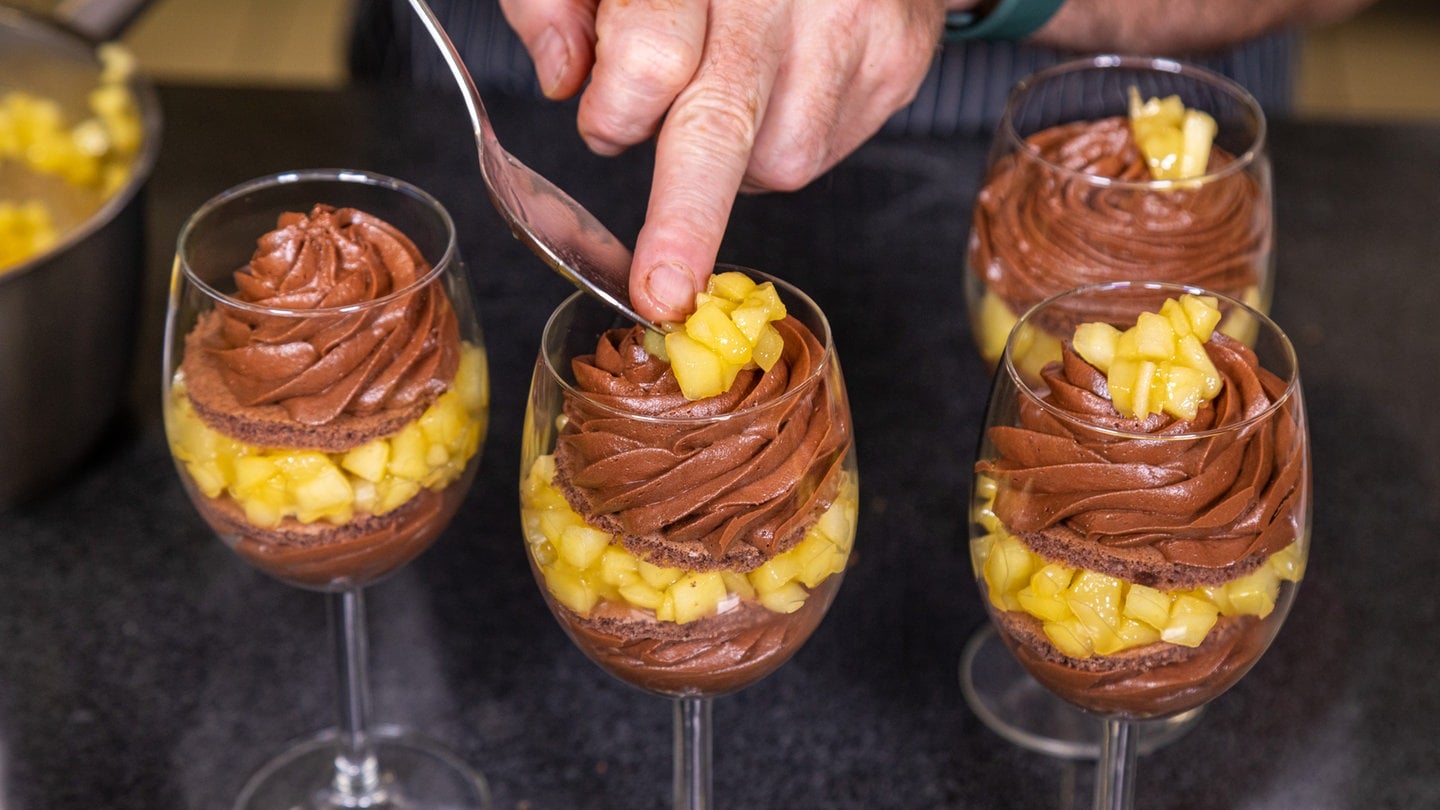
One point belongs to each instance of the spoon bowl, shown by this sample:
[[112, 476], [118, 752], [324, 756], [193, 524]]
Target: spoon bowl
[[559, 230]]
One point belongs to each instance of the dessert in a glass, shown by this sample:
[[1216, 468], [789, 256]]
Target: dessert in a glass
[[1118, 169], [689, 499], [1141, 514], [326, 398], [1107, 169]]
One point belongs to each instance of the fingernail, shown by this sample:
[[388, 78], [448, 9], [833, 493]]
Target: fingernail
[[673, 287], [552, 59]]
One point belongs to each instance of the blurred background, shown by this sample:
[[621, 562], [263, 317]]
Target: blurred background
[[1381, 64]]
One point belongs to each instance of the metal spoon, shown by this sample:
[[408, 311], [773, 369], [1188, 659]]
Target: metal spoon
[[569, 238]]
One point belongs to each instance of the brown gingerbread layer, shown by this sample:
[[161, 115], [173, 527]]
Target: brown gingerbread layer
[[271, 425], [1156, 680], [692, 556], [714, 655], [326, 555], [1143, 565]]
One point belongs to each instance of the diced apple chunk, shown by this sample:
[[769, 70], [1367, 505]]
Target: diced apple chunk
[[712, 328], [732, 285], [1047, 607], [1095, 343], [768, 348], [698, 370], [1136, 633], [1190, 621], [655, 345], [1203, 312], [368, 460], [1148, 605], [697, 595], [1288, 563], [774, 574], [1255, 593], [1160, 363], [408, 449], [1199, 130], [570, 588], [1175, 141], [1175, 313], [660, 577], [750, 320], [1007, 570], [642, 595], [619, 567], [1184, 391], [326, 490], [252, 471], [787, 599], [1155, 337], [581, 546], [1192, 354], [1069, 638]]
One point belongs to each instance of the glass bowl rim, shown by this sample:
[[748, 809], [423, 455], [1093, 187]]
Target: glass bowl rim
[[1242, 161], [339, 176], [789, 292]]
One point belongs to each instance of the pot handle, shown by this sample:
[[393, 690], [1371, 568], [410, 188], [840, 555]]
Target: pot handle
[[98, 20]]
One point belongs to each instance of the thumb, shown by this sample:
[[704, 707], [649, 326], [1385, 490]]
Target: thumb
[[560, 36]]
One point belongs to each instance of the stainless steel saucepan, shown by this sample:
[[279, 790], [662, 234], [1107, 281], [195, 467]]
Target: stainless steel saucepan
[[68, 316]]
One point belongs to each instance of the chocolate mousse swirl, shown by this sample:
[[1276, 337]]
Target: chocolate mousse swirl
[[1039, 231], [397, 355], [639, 459], [1215, 501]]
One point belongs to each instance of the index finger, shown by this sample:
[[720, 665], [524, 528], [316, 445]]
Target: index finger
[[701, 155]]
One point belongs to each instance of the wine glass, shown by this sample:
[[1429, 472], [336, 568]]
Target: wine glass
[[325, 399], [687, 547], [1139, 568], [1069, 200]]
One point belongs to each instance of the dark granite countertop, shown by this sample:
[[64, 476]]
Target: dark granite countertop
[[144, 666]]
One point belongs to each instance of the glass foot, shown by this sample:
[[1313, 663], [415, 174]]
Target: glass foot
[[1004, 696], [415, 774]]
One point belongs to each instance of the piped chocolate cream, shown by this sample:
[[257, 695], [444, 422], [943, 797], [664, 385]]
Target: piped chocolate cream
[[332, 381], [1043, 224], [701, 495], [1170, 514]]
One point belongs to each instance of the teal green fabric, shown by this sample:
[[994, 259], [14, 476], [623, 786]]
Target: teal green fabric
[[1012, 20]]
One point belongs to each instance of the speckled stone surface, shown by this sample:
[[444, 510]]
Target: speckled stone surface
[[142, 665]]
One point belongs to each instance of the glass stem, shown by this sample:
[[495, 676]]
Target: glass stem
[[357, 775], [1115, 776], [693, 790]]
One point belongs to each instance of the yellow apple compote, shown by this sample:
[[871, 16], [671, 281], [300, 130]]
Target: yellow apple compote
[[273, 484], [93, 156]]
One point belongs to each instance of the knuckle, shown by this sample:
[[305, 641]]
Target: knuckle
[[790, 168], [721, 119], [655, 66]]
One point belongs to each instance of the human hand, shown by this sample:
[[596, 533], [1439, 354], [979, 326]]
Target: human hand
[[746, 95]]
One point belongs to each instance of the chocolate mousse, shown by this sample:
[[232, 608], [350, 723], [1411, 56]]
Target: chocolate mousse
[[708, 495], [298, 406], [1208, 526], [1043, 224], [748, 495]]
